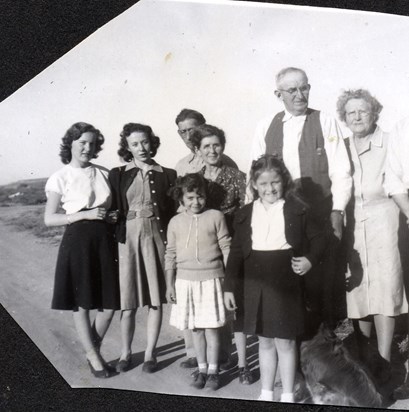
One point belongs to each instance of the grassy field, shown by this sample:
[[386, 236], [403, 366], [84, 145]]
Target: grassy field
[[22, 206], [23, 192]]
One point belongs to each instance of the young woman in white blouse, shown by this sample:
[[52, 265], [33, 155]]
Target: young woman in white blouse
[[86, 275]]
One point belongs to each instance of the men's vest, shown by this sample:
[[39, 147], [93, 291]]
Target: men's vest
[[314, 184]]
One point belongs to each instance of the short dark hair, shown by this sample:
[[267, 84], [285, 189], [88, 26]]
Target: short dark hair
[[130, 128], [269, 162], [206, 130], [74, 133], [363, 94], [190, 114], [189, 183]]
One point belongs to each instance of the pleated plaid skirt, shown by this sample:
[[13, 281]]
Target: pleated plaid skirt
[[199, 304]]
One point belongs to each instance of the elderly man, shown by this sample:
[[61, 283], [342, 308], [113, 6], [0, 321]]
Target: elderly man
[[186, 121], [311, 146]]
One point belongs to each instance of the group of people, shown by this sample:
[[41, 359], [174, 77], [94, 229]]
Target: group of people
[[257, 254]]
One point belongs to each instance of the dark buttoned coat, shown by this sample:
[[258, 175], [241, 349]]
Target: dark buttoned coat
[[301, 233], [164, 208]]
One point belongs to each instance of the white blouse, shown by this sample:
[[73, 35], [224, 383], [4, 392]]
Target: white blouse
[[81, 188], [268, 229]]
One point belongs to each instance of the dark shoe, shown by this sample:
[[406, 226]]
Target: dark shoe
[[227, 364], [383, 373], [189, 363], [123, 365], [150, 366], [212, 382], [103, 373], [199, 379], [245, 376]]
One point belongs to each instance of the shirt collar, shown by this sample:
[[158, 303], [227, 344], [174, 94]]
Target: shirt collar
[[279, 204], [288, 116], [154, 166], [377, 137]]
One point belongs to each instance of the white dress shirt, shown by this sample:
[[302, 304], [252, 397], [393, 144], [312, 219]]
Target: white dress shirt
[[268, 226]]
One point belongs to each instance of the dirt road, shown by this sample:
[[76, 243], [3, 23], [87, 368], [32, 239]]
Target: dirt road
[[26, 276]]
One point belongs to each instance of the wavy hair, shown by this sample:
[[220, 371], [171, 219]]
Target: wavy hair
[[74, 133], [130, 128], [206, 130], [363, 94], [189, 183]]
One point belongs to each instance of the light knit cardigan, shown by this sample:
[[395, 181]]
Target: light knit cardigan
[[197, 245]]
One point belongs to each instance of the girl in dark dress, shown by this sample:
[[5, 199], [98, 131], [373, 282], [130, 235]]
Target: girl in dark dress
[[274, 243]]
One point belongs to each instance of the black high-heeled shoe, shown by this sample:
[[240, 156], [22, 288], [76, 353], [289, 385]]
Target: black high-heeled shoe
[[102, 374], [123, 365]]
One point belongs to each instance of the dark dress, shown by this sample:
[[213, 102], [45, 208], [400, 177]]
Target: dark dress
[[86, 273], [273, 303]]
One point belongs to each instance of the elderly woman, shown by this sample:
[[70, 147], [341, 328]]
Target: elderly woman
[[226, 192], [86, 276], [375, 293]]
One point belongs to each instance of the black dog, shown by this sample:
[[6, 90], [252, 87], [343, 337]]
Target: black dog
[[332, 376]]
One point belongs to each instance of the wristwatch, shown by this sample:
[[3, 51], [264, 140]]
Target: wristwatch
[[341, 212]]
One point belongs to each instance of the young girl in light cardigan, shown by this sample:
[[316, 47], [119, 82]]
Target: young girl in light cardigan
[[196, 253]]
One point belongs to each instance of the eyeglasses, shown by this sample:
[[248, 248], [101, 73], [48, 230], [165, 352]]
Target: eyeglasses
[[358, 113], [185, 131], [293, 90]]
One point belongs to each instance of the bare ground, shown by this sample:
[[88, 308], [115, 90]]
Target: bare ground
[[27, 277]]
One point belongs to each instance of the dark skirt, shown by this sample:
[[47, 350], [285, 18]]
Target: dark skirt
[[238, 322], [273, 305], [86, 275]]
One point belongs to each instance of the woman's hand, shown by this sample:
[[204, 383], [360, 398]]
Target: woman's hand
[[300, 265], [229, 301], [171, 295], [98, 213], [112, 216]]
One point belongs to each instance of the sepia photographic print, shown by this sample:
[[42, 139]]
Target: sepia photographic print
[[206, 199]]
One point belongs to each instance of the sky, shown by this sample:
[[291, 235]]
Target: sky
[[219, 58]]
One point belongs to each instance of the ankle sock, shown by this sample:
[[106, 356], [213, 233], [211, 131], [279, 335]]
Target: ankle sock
[[212, 369], [287, 397], [266, 395], [202, 367]]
